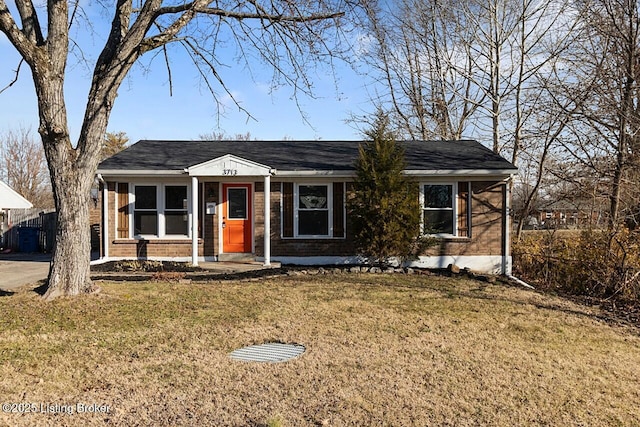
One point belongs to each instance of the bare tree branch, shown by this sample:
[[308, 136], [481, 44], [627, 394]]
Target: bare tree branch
[[30, 22], [15, 79]]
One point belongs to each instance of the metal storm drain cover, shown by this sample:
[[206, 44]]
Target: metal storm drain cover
[[269, 352]]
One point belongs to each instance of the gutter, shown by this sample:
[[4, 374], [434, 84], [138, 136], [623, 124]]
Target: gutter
[[137, 172]]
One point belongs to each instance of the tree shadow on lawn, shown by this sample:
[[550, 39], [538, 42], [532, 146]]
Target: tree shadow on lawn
[[41, 289], [608, 313]]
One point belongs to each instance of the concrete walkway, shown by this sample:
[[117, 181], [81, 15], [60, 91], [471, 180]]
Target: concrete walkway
[[22, 269]]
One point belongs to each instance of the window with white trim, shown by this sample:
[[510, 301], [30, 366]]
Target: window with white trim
[[176, 219], [438, 208], [160, 213], [313, 210], [145, 210]]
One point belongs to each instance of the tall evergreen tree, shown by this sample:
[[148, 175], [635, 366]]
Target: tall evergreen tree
[[385, 208]]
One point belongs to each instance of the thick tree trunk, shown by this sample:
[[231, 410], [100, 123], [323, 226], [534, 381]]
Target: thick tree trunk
[[69, 273], [133, 32]]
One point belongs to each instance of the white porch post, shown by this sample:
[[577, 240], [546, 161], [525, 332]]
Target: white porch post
[[194, 220], [105, 220], [267, 220]]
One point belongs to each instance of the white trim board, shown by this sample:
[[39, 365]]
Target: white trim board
[[491, 264]]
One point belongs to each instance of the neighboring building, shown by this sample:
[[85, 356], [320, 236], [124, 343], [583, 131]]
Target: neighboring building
[[286, 201], [577, 213], [9, 199]]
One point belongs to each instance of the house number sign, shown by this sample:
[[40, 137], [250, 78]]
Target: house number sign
[[229, 172]]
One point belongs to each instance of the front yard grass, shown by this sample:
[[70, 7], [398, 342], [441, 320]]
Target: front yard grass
[[381, 350]]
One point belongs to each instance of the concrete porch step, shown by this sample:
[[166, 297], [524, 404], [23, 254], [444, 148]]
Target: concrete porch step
[[237, 257]]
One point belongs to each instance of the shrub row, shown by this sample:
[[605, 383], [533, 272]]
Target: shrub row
[[603, 264]]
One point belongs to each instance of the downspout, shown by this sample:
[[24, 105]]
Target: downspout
[[506, 238], [506, 231]]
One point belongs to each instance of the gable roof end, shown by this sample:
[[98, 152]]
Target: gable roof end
[[229, 165], [10, 199]]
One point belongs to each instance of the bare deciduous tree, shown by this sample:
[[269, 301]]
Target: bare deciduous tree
[[286, 35], [222, 136], [420, 61], [24, 167], [466, 67], [604, 69], [611, 58]]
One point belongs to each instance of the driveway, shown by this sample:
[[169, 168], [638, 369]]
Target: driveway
[[22, 269]]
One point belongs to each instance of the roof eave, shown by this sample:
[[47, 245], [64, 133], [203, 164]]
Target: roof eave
[[139, 172], [461, 172], [312, 173], [326, 173]]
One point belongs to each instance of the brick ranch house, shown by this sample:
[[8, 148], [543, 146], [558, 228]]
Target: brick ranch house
[[286, 201]]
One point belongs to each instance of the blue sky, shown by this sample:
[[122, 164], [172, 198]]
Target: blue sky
[[144, 108]]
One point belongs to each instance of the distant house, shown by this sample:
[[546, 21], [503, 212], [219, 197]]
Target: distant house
[[286, 201], [579, 213], [9, 199]]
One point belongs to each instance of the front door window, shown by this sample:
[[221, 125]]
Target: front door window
[[237, 203]]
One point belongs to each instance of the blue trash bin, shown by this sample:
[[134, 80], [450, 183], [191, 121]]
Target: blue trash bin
[[28, 239]]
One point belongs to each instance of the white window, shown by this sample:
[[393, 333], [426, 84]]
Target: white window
[[160, 213], [176, 219], [313, 210], [438, 202], [145, 210]]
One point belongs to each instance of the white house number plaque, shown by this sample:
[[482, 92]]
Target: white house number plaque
[[229, 172]]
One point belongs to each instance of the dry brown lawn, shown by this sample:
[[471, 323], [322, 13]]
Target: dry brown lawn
[[381, 350]]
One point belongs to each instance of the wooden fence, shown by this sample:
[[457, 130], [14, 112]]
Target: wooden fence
[[44, 221]]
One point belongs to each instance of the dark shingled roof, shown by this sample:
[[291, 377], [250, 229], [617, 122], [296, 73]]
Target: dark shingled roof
[[301, 155]]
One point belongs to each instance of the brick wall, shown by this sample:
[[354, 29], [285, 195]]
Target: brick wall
[[289, 246], [486, 229], [95, 221], [132, 248], [486, 224]]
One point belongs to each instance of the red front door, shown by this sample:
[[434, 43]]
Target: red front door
[[236, 218]]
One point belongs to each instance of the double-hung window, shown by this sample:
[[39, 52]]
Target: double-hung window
[[176, 220], [145, 210], [313, 210], [438, 208]]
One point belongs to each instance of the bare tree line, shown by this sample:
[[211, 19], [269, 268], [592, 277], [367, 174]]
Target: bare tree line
[[551, 84]]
